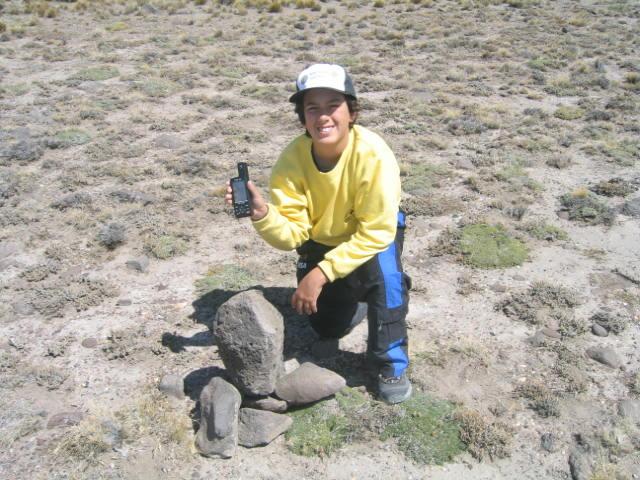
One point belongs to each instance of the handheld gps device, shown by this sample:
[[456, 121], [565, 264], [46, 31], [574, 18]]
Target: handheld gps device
[[240, 192]]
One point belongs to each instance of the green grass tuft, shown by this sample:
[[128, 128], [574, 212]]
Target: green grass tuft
[[488, 246], [224, 277], [568, 113], [165, 246], [317, 431], [426, 431], [94, 74]]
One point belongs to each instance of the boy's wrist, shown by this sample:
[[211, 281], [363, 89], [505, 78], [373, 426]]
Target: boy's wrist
[[260, 214]]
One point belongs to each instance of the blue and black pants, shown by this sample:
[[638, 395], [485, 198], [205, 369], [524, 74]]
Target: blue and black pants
[[379, 283]]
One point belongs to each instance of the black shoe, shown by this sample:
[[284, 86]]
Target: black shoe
[[393, 390]]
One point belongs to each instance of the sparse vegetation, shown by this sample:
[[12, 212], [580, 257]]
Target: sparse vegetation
[[583, 206], [123, 120]]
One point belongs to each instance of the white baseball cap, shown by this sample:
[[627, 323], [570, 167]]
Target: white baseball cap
[[324, 75]]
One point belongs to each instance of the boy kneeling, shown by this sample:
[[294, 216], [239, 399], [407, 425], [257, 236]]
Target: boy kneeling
[[335, 195]]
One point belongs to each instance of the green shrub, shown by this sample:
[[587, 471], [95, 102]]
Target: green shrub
[[224, 277], [568, 113]]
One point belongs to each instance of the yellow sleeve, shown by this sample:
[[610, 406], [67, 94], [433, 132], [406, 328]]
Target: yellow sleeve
[[286, 225], [376, 210]]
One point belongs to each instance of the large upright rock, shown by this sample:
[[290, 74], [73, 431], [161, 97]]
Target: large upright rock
[[219, 410], [250, 335]]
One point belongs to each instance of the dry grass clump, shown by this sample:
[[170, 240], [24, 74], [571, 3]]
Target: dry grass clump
[[614, 187], [541, 302], [150, 415], [483, 438], [585, 207], [540, 398]]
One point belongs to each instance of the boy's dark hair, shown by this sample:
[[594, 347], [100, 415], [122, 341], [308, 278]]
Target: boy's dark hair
[[352, 104]]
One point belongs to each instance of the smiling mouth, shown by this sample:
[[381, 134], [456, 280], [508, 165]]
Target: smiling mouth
[[325, 129]]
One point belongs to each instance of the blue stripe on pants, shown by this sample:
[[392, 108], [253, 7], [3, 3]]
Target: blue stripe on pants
[[392, 277], [398, 357]]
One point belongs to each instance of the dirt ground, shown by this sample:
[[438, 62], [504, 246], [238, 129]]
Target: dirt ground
[[120, 123]]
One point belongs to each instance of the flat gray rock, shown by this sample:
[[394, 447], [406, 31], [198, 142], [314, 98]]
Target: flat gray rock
[[605, 355], [140, 264], [630, 409], [270, 404], [249, 333], [172, 385], [219, 409], [308, 384], [258, 427]]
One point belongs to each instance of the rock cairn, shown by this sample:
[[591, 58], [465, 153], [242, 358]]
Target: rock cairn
[[249, 410]]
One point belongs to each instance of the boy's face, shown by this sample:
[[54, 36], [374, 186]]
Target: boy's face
[[327, 117]]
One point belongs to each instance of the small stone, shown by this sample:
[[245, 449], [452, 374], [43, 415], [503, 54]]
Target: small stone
[[599, 330], [270, 404], [219, 410], [548, 441], [605, 355], [140, 264], [551, 333], [563, 215], [498, 288], [630, 409], [89, 343], [308, 384], [538, 339], [172, 385], [65, 419], [112, 434], [123, 302], [257, 427], [519, 278]]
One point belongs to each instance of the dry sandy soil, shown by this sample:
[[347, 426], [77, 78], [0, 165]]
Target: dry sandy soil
[[119, 125]]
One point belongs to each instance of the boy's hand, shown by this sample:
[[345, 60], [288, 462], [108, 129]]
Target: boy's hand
[[304, 300], [259, 207]]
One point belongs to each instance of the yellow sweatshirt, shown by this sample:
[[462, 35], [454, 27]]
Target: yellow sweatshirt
[[353, 207]]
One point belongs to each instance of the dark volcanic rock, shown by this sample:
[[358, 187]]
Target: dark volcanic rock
[[250, 335], [219, 409], [259, 427], [308, 384], [605, 355], [548, 442]]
